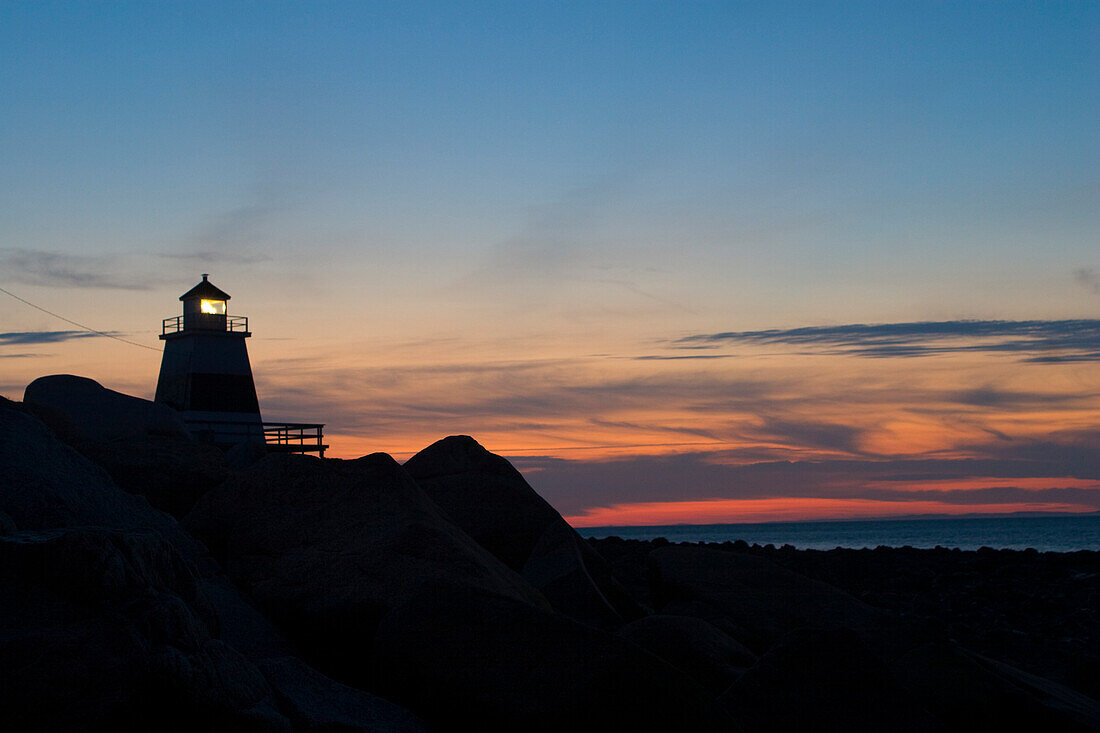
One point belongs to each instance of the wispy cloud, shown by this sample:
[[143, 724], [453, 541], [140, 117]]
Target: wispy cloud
[[1032, 341], [56, 269], [213, 255], [575, 485], [42, 337], [1087, 277], [678, 357]]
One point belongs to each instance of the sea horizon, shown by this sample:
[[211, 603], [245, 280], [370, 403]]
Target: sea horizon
[[1041, 531]]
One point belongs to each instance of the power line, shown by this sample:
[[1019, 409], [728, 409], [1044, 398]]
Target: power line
[[78, 325]]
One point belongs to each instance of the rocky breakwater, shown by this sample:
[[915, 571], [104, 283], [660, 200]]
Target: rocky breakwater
[[291, 593]]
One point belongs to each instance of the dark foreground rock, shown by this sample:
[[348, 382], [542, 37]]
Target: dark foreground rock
[[831, 661], [491, 501], [460, 598], [316, 704], [692, 645], [327, 548], [113, 618], [482, 662], [143, 446], [101, 632], [824, 680], [767, 601]]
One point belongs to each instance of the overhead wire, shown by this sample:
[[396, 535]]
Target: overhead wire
[[78, 325]]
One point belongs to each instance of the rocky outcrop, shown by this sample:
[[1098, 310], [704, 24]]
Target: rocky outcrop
[[969, 692], [45, 484], [766, 601], [491, 501], [489, 613], [144, 446], [81, 408], [327, 548], [829, 661], [113, 618], [472, 660], [692, 645], [316, 704], [826, 680], [102, 630]]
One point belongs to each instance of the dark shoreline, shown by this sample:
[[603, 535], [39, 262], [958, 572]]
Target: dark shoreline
[[1034, 610]]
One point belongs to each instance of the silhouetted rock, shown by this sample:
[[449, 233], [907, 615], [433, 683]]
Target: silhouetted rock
[[100, 632], [920, 596], [114, 617], [246, 453], [559, 568], [968, 692], [469, 660], [706, 612], [316, 704], [766, 600], [143, 445], [491, 501], [54, 499], [823, 680], [45, 484], [326, 548], [693, 646], [1034, 611], [94, 413]]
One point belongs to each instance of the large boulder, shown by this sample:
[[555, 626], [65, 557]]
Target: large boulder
[[823, 680], [45, 484], [969, 692], [92, 412], [316, 704], [54, 505], [105, 630], [468, 660], [692, 645], [766, 601], [326, 548], [491, 501], [143, 445]]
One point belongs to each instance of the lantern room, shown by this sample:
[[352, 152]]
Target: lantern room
[[204, 306]]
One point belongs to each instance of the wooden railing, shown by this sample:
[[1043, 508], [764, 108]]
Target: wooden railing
[[283, 437], [296, 437], [232, 323]]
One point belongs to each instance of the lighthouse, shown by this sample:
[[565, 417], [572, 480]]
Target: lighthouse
[[205, 375]]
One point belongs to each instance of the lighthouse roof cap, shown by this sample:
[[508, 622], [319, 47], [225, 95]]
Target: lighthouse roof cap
[[205, 290]]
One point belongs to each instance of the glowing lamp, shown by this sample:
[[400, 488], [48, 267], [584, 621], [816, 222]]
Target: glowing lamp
[[204, 309], [212, 307]]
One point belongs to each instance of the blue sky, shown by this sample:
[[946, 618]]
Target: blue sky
[[504, 187]]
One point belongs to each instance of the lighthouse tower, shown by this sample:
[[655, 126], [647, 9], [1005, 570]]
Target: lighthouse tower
[[205, 373]]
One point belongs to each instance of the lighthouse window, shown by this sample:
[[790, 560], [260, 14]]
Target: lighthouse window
[[215, 307]]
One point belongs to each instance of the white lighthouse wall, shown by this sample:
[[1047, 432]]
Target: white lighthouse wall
[[208, 375]]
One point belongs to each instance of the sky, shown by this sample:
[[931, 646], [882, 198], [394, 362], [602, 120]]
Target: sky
[[679, 262]]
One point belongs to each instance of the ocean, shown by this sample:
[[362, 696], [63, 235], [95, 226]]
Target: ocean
[[1063, 533]]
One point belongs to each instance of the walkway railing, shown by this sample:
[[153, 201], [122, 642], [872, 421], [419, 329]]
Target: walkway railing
[[295, 437], [232, 323], [283, 437]]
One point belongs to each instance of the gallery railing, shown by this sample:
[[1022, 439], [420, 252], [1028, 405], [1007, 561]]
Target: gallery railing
[[205, 322], [284, 437]]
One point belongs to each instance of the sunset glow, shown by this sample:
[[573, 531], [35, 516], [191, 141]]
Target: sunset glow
[[721, 511], [705, 263]]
